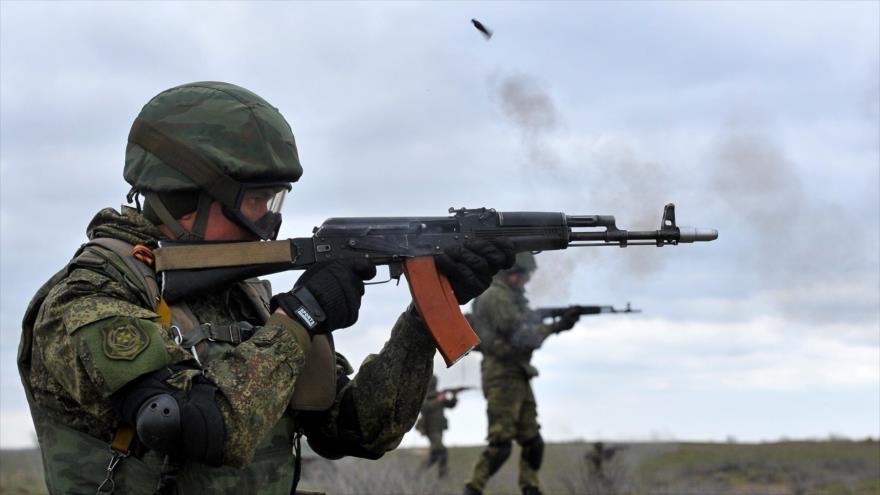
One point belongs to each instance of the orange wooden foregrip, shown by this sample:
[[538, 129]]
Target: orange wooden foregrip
[[436, 302]]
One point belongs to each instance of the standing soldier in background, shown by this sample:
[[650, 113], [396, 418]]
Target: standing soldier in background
[[212, 394], [510, 332], [433, 422], [600, 457]]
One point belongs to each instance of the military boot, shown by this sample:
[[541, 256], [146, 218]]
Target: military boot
[[531, 490], [443, 464], [469, 490]]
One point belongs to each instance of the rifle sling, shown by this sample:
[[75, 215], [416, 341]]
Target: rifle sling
[[186, 257]]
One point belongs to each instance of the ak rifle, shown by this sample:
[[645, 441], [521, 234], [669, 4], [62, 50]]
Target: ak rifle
[[407, 245], [557, 312]]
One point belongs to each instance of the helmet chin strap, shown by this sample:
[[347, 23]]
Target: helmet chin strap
[[199, 226], [133, 196], [202, 214]]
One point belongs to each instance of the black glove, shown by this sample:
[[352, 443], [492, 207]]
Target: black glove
[[568, 319], [470, 268], [327, 296]]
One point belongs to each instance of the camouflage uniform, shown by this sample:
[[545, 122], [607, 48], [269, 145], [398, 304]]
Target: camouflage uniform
[[95, 332], [510, 332], [218, 379], [432, 423]]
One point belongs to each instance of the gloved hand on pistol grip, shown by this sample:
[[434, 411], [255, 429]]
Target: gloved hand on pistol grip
[[327, 296], [470, 267], [567, 320]]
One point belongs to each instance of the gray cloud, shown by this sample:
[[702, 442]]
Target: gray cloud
[[393, 116]]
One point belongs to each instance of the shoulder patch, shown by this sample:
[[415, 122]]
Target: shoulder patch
[[123, 341]]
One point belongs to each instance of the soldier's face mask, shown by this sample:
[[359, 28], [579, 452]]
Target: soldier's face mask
[[520, 278], [258, 208]]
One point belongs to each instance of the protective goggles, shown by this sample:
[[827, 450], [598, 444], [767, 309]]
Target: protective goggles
[[258, 208]]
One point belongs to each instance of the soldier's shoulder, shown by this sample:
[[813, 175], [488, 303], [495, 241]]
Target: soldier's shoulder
[[496, 294], [93, 288], [93, 280], [78, 283]]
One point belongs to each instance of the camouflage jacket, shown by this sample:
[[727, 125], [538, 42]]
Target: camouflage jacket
[[94, 333], [509, 332]]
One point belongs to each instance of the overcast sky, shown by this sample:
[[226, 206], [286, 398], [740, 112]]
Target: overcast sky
[[758, 119]]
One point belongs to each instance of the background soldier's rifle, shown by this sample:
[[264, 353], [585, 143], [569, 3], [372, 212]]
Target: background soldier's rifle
[[454, 391], [557, 312], [407, 245]]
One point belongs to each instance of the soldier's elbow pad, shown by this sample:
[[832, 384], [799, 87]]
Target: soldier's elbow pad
[[184, 423], [158, 423]]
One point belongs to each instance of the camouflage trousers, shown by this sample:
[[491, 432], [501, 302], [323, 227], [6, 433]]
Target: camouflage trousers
[[438, 454], [512, 414], [76, 463]]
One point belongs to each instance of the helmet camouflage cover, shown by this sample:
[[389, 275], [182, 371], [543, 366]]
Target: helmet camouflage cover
[[525, 263], [233, 128], [210, 137]]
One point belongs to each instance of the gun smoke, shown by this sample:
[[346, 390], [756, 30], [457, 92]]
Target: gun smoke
[[532, 112], [613, 171], [753, 177], [746, 172]]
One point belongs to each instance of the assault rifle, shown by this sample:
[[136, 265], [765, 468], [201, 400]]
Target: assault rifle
[[442, 394], [557, 312], [407, 245], [455, 390]]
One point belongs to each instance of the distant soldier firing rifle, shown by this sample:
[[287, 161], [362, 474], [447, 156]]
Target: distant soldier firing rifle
[[432, 422], [510, 332], [599, 462]]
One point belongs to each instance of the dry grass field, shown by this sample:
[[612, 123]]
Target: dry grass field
[[782, 468]]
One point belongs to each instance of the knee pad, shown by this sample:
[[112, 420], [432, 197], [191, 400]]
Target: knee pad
[[533, 452], [496, 454]]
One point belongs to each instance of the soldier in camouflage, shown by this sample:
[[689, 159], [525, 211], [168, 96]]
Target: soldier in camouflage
[[432, 423], [212, 395], [510, 332]]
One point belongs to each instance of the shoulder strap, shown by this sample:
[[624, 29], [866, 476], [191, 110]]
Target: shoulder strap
[[258, 292], [138, 273], [144, 275]]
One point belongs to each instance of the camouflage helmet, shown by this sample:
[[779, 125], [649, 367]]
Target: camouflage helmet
[[212, 139], [525, 263]]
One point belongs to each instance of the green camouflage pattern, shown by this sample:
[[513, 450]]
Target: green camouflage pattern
[[68, 387], [77, 463], [435, 442], [387, 391], [512, 415], [104, 364], [241, 133], [389, 386], [525, 263], [512, 412], [510, 333], [432, 423], [432, 419]]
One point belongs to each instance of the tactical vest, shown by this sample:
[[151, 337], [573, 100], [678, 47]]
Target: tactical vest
[[85, 466], [500, 361]]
